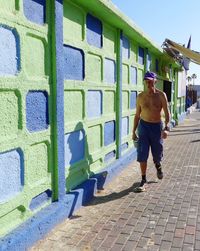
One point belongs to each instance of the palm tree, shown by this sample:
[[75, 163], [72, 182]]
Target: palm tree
[[194, 76]]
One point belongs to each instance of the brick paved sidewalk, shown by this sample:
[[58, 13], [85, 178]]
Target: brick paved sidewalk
[[165, 217]]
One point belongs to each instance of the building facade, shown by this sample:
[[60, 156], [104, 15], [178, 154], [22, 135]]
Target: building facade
[[70, 74]]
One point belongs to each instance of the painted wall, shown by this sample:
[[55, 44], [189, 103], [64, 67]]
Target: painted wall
[[69, 79], [25, 130]]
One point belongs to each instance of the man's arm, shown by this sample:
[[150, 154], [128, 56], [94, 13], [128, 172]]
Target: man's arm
[[165, 109], [136, 118]]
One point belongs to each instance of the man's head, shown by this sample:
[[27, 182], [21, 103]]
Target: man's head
[[149, 75], [150, 79]]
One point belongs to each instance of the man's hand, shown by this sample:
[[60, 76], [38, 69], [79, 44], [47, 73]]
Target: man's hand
[[134, 136]]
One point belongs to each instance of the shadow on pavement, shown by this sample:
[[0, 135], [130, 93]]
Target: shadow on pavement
[[115, 196], [177, 133], [195, 141]]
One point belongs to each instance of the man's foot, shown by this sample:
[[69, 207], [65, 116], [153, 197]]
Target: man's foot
[[141, 187], [159, 171]]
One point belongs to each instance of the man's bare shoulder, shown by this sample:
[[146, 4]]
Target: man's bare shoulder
[[161, 93], [141, 95]]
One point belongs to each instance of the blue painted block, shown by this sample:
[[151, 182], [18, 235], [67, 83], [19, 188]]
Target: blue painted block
[[125, 48], [74, 147], [133, 98], [94, 31], [109, 156], [109, 132], [84, 192], [9, 51], [148, 68], [109, 71], [94, 104], [11, 173], [34, 10], [74, 66], [124, 146], [141, 56], [157, 65], [133, 75], [40, 199], [37, 117], [125, 126]]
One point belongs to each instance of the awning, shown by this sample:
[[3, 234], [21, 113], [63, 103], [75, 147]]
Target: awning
[[173, 49]]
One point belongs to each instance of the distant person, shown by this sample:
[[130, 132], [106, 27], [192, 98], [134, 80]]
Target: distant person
[[149, 126], [188, 102]]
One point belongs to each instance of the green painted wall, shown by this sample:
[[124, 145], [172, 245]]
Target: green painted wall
[[34, 75]]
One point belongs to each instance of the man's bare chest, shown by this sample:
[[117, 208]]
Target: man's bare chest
[[151, 103]]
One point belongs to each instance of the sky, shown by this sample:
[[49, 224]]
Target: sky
[[161, 19]]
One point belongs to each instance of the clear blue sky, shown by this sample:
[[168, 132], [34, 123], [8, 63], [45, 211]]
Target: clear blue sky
[[172, 19]]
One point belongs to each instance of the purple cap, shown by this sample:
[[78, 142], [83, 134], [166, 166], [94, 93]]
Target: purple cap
[[150, 75]]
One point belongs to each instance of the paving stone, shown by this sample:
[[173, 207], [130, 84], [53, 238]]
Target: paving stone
[[165, 246], [190, 230], [130, 246]]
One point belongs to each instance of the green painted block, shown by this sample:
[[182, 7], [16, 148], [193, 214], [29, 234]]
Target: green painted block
[[7, 5], [109, 102], [94, 137], [133, 53], [140, 77], [131, 119], [76, 177], [73, 22], [36, 168], [93, 68], [109, 39], [9, 114], [125, 100], [34, 56], [96, 166], [73, 106], [11, 220], [125, 74]]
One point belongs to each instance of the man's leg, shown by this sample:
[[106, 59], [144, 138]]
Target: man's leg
[[157, 152], [143, 167]]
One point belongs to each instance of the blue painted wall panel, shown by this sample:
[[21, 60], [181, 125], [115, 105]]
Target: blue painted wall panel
[[133, 100], [125, 126], [110, 71], [125, 48], [157, 65], [133, 75], [74, 147], [73, 63], [9, 51], [109, 156], [94, 104], [34, 10], [124, 146], [94, 31], [59, 97], [40, 199], [141, 56], [11, 173], [109, 132], [37, 118], [148, 67]]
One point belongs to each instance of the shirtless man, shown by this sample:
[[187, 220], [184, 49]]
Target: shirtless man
[[149, 124]]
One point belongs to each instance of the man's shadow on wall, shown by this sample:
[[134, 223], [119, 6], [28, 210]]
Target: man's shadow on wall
[[79, 154]]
